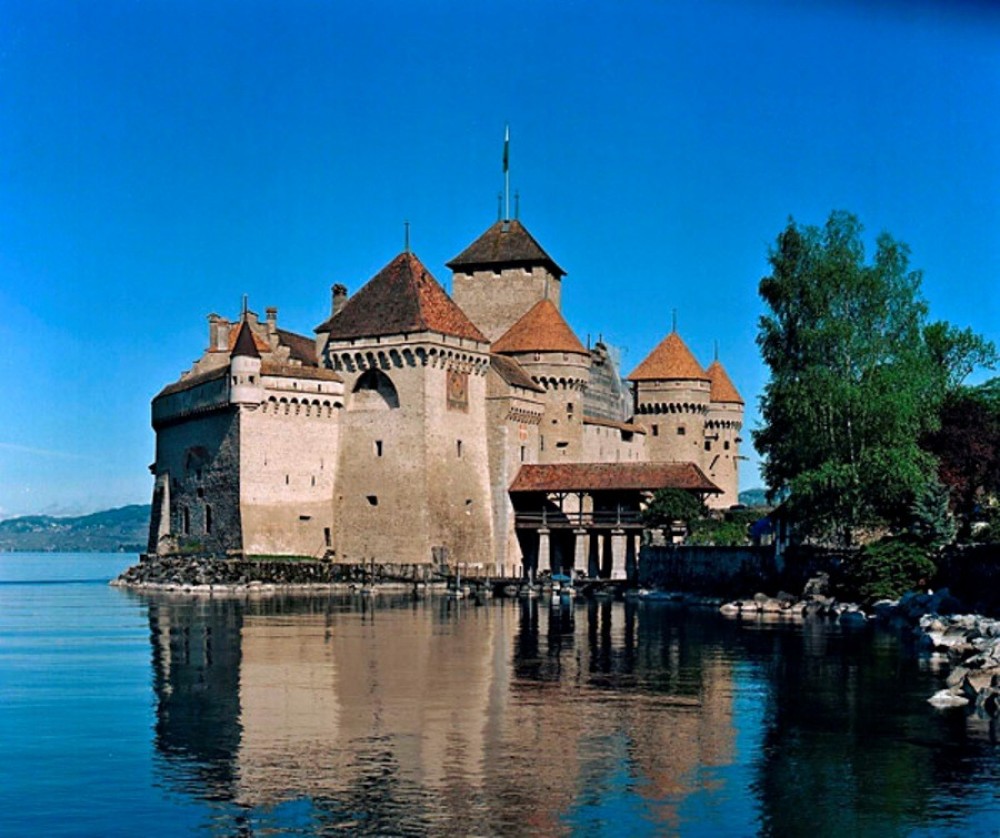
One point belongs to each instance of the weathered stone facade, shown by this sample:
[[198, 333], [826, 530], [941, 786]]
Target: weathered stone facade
[[395, 434]]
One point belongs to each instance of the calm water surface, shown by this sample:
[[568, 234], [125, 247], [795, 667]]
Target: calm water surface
[[123, 714]]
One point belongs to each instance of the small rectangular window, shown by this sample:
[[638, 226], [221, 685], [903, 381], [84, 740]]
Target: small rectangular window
[[373, 500], [681, 430], [378, 448], [326, 536], [656, 430], [208, 518], [708, 445], [458, 448], [523, 453]]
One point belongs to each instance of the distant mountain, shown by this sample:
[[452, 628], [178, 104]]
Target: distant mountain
[[115, 530], [754, 497]]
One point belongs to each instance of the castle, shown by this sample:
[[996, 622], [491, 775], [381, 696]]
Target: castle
[[418, 428]]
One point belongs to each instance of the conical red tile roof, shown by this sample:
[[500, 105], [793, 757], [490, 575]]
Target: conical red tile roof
[[400, 299], [723, 389], [670, 360], [505, 243], [542, 329]]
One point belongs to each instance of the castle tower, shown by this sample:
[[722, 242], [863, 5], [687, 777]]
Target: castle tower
[[413, 472], [501, 275], [245, 386], [543, 343], [672, 394], [722, 437]]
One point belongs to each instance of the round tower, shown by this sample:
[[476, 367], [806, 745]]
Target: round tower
[[722, 437], [245, 386], [672, 395], [548, 350]]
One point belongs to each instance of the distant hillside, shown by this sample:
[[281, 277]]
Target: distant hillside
[[114, 530], [754, 497]]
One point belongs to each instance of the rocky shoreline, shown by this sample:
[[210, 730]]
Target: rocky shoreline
[[970, 643]]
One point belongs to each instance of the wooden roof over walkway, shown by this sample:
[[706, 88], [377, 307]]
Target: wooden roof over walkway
[[611, 477]]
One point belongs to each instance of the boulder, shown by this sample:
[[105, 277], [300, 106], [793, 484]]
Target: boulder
[[853, 619], [817, 586], [944, 699]]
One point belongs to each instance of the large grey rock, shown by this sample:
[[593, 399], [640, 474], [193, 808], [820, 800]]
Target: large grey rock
[[945, 699]]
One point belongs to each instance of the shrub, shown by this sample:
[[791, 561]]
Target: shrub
[[886, 570]]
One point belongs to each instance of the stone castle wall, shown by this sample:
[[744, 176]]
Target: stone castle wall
[[288, 466], [496, 300], [200, 459]]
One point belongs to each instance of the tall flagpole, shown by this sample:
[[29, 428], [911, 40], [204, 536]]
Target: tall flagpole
[[506, 171]]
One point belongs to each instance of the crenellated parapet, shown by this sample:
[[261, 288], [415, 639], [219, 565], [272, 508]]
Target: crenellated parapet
[[354, 359]]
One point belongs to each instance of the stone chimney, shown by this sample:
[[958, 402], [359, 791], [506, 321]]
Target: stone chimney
[[339, 298], [213, 332], [272, 319]]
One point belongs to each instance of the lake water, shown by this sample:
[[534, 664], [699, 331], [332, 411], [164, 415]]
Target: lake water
[[123, 714]]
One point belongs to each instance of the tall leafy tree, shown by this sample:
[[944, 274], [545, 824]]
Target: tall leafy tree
[[967, 446], [853, 385]]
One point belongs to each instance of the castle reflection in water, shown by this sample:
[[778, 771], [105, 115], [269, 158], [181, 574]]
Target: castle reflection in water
[[435, 715]]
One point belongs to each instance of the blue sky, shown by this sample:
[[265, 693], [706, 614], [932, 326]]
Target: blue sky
[[159, 159]]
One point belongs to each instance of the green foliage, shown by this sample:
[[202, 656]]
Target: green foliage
[[967, 446], [669, 505], [856, 378], [932, 521], [732, 529], [886, 570], [957, 352]]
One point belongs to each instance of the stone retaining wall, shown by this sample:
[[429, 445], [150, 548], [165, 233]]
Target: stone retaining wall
[[200, 572], [709, 571]]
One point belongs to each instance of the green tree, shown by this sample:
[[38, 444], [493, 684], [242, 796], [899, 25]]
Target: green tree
[[669, 505], [853, 386], [967, 446], [931, 519]]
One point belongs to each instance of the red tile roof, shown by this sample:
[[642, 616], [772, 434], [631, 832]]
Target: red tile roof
[[513, 373], [541, 329], [296, 371], [191, 381], [723, 389], [301, 348], [628, 427], [590, 477], [506, 243], [402, 298], [670, 360]]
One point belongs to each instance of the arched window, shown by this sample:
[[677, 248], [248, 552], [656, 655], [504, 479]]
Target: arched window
[[374, 390]]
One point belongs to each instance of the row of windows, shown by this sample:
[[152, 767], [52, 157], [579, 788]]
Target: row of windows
[[682, 431]]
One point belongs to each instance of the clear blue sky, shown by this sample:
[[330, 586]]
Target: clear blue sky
[[159, 159]]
